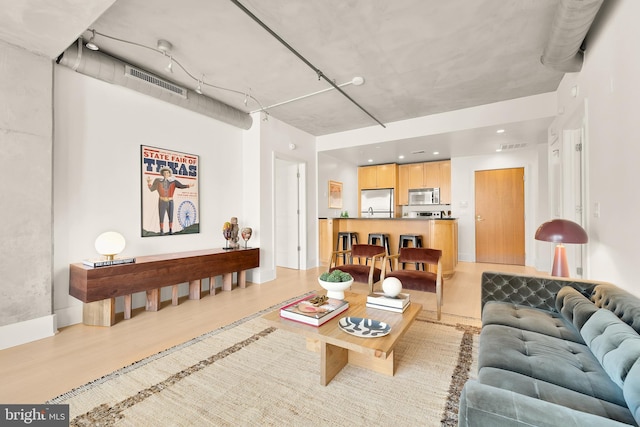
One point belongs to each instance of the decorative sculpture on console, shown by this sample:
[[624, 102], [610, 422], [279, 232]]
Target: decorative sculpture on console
[[234, 233]]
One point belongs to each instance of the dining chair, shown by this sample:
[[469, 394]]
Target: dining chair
[[360, 263], [426, 281]]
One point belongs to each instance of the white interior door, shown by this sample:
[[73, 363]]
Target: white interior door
[[574, 188], [287, 214]]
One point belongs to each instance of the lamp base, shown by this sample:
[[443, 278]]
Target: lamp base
[[560, 264]]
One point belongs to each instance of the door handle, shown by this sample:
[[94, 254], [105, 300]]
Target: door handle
[[479, 218]]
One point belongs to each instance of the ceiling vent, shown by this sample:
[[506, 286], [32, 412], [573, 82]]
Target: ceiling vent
[[109, 69], [418, 152], [516, 146], [149, 78]]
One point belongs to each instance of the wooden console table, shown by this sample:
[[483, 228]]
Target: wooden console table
[[98, 287]]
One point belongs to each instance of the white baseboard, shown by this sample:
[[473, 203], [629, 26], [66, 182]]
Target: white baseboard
[[27, 331], [69, 316]]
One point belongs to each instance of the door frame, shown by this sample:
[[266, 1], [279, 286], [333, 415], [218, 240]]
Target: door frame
[[302, 207]]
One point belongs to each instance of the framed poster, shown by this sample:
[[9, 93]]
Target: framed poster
[[169, 184], [335, 195]]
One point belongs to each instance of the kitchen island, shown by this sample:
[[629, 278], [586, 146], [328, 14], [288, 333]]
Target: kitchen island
[[436, 233]]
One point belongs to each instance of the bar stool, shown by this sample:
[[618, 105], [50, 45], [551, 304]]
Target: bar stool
[[348, 238], [381, 239], [416, 240]]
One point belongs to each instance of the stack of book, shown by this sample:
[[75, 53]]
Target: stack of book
[[380, 301], [105, 262], [306, 311]]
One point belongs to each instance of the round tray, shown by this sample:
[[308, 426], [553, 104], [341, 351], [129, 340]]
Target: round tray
[[364, 328]]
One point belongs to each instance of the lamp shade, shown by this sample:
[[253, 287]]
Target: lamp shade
[[110, 243], [561, 231]]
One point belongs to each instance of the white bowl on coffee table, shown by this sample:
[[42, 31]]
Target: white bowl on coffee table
[[335, 289]]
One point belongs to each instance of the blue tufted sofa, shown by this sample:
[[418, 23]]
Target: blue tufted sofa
[[554, 352]]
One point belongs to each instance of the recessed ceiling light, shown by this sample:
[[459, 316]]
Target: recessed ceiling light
[[498, 150], [500, 131], [370, 160], [435, 153], [401, 157]]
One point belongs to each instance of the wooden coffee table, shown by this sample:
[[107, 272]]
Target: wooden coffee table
[[337, 348]]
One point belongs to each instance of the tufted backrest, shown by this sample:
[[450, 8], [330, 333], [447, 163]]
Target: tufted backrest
[[574, 306], [618, 301]]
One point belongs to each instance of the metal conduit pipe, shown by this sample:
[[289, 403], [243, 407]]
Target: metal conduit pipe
[[112, 70], [570, 26]]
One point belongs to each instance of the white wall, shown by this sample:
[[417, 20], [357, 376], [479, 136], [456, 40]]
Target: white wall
[[264, 142], [334, 169], [463, 195], [99, 128], [609, 83]]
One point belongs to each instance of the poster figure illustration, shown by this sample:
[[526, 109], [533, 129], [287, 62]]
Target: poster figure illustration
[[169, 192]]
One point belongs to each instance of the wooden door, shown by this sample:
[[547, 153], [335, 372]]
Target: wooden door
[[500, 216]]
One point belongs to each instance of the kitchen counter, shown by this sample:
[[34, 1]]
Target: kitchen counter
[[397, 219], [437, 233]]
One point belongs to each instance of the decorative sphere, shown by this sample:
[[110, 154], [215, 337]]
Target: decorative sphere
[[391, 286]]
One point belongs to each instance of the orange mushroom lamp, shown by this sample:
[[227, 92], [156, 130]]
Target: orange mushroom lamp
[[561, 231]]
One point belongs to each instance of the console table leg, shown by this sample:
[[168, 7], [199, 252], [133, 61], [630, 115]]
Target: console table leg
[[153, 300], [227, 281], [212, 285], [127, 306], [99, 313], [242, 279], [195, 286], [174, 295]]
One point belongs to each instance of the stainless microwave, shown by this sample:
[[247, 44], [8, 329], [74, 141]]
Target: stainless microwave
[[424, 196]]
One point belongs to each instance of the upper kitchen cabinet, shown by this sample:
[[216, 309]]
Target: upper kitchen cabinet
[[445, 182], [425, 175], [378, 176]]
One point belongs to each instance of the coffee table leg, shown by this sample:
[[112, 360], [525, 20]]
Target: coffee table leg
[[376, 364], [332, 360]]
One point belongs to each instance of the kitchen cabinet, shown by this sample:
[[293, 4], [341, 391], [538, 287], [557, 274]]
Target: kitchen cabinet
[[403, 185], [378, 176], [424, 175], [445, 182]]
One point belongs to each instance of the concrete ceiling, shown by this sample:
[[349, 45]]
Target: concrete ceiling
[[418, 57]]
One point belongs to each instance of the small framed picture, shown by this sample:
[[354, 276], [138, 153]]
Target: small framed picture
[[335, 195]]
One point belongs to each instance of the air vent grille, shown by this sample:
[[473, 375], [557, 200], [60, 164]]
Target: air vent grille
[[514, 146], [155, 81]]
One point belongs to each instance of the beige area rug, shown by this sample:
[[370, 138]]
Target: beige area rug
[[250, 373]]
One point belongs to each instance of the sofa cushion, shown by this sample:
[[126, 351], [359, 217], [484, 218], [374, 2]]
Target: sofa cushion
[[574, 306], [615, 344], [553, 393], [564, 363], [530, 319], [632, 391]]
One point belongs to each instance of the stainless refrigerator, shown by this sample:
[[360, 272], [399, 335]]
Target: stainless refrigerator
[[376, 203]]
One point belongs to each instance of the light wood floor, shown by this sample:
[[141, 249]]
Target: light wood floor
[[41, 370]]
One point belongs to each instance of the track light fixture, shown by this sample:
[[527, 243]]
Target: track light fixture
[[169, 68], [164, 47], [91, 43]]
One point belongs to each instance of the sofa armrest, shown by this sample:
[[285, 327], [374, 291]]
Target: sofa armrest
[[485, 405], [532, 291]]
